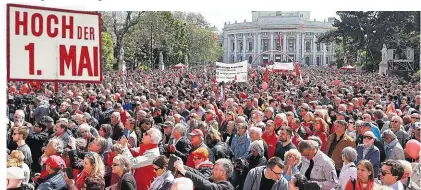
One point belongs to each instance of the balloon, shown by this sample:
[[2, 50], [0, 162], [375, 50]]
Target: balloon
[[264, 85], [413, 148]]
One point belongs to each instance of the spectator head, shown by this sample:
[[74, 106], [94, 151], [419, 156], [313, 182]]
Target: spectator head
[[54, 147], [222, 170], [15, 177], [285, 134], [160, 165], [388, 136], [20, 133], [293, 155], [152, 136], [257, 148], [364, 127], [396, 123], [182, 183], [60, 128], [85, 131], [179, 130], [274, 168], [378, 114], [105, 131], [368, 138], [317, 140], [415, 117], [121, 165], [349, 154], [19, 117], [212, 137], [99, 145], [240, 119], [54, 163], [308, 148], [115, 118], [196, 137], [39, 127], [340, 127], [94, 165], [146, 123], [94, 183], [18, 155], [407, 169], [13, 162], [320, 125], [298, 182], [255, 133], [81, 144], [200, 155], [391, 172], [365, 170]]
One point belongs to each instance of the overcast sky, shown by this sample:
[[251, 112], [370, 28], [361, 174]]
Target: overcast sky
[[218, 18]]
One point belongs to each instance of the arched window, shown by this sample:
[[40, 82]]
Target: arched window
[[250, 59], [318, 61], [250, 46], [308, 46], [308, 61]]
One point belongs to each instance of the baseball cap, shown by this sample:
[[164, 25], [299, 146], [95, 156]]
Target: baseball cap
[[197, 132], [15, 173], [55, 162]]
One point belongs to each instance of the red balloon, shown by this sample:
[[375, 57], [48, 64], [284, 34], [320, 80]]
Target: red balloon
[[413, 148]]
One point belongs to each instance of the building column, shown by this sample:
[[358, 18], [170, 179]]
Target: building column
[[303, 36], [324, 54], [332, 52], [244, 47], [259, 44], [271, 47], [314, 49], [284, 48], [297, 47], [235, 48], [255, 45], [228, 42]]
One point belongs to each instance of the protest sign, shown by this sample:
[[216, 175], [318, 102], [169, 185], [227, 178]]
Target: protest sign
[[231, 71]]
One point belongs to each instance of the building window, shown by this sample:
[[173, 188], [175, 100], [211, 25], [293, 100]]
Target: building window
[[301, 15], [278, 46], [308, 46], [318, 47], [233, 46], [241, 58], [308, 61], [327, 61], [291, 45], [265, 44], [232, 59], [318, 61], [327, 48], [250, 59], [241, 46], [250, 46]]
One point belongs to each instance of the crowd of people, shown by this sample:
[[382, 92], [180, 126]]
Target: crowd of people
[[182, 130]]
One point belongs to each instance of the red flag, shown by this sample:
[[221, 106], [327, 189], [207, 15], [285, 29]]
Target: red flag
[[266, 76], [297, 70], [235, 78], [280, 40]]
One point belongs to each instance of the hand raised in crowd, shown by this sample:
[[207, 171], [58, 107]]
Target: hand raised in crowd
[[179, 166]]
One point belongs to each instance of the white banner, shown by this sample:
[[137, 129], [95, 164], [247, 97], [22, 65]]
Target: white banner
[[50, 44], [226, 72], [282, 66]]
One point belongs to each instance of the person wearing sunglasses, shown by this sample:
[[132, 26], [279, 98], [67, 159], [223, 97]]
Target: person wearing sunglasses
[[397, 128], [362, 128], [392, 147], [122, 167], [391, 174], [367, 151], [164, 178]]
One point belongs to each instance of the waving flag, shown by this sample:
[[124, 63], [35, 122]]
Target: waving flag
[[266, 76], [297, 70]]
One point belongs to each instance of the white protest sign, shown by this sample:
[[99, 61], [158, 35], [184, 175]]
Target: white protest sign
[[282, 66], [227, 72], [49, 44]]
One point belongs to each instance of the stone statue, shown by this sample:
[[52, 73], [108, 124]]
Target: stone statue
[[235, 21], [384, 53]]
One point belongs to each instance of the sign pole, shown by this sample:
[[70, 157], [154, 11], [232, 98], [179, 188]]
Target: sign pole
[[56, 86]]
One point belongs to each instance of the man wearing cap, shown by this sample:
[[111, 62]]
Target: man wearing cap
[[364, 127], [167, 127], [55, 178], [15, 177], [196, 139], [366, 151]]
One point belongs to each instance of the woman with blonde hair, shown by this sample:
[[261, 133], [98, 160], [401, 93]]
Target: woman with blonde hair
[[292, 159], [93, 165], [16, 158], [320, 130]]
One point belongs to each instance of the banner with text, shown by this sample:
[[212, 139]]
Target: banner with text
[[226, 72], [53, 45]]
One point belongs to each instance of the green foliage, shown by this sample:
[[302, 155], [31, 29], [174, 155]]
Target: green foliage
[[368, 31], [107, 50]]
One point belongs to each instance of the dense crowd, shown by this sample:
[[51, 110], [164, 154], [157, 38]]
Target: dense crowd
[[182, 130]]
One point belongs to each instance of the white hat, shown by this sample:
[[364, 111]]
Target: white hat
[[15, 173]]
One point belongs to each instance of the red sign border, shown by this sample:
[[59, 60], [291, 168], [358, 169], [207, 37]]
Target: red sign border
[[50, 9]]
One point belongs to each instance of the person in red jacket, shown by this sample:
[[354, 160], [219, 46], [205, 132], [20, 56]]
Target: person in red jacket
[[270, 137], [124, 115], [320, 128]]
